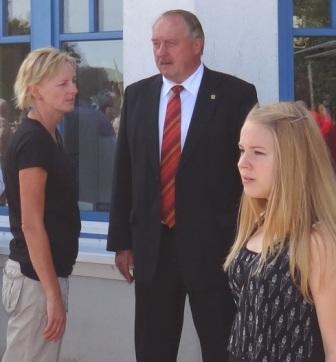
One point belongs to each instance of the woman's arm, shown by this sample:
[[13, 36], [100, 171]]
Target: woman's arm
[[32, 194], [323, 288]]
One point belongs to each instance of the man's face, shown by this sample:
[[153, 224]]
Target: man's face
[[177, 54]]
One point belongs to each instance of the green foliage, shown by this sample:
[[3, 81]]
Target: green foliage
[[315, 13], [18, 27]]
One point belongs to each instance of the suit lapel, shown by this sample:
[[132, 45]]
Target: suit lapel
[[202, 114], [204, 107], [151, 124]]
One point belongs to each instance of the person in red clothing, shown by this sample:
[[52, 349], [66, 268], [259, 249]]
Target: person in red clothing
[[331, 142], [328, 129], [323, 119]]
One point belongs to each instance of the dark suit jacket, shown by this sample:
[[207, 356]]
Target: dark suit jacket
[[207, 184]]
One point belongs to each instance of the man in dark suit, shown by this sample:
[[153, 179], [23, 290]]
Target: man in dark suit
[[182, 253]]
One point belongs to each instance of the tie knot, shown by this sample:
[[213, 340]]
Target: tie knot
[[177, 89]]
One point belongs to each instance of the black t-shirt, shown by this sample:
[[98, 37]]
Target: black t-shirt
[[33, 146]]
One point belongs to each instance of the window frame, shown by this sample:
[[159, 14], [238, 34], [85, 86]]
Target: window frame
[[46, 31], [286, 34]]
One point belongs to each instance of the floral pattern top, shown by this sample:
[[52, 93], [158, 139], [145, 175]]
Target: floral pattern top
[[273, 321]]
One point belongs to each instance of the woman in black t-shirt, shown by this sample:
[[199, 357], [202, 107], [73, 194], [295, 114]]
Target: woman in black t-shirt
[[282, 265], [43, 212]]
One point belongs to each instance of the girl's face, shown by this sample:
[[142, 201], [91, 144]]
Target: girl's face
[[257, 160]]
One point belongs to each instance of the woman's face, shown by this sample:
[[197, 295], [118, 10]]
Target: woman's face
[[57, 94], [257, 160]]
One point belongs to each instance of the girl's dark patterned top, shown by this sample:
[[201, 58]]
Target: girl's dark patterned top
[[273, 321]]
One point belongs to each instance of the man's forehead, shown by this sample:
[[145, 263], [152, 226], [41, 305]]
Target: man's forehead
[[170, 21]]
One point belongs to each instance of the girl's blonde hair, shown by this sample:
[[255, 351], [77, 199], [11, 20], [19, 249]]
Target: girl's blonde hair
[[39, 64], [303, 193]]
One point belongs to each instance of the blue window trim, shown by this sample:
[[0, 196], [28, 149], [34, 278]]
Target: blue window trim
[[314, 32], [333, 13], [286, 34], [286, 76], [103, 35], [93, 16], [41, 24], [3, 210], [8, 39], [6, 229], [46, 30], [15, 39], [85, 216], [57, 16], [94, 216], [93, 33], [3, 18]]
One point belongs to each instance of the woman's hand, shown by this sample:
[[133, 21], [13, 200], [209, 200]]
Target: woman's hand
[[56, 318]]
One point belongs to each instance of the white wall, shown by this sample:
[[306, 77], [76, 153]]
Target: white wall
[[241, 39]]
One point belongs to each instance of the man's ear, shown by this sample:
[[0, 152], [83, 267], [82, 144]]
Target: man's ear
[[198, 45]]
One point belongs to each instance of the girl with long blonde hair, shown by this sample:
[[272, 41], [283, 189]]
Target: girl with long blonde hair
[[282, 266]]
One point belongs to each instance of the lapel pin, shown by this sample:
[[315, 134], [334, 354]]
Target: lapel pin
[[213, 96]]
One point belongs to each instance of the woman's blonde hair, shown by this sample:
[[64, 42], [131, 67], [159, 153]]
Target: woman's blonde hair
[[39, 64], [303, 193]]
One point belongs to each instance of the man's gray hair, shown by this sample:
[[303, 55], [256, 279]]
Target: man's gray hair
[[190, 19]]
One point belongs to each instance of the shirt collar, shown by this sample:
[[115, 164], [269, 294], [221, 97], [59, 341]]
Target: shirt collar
[[191, 84]]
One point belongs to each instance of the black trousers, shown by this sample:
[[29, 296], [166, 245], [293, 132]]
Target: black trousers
[[159, 312]]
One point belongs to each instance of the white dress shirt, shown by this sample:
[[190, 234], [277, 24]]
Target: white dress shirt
[[188, 100]]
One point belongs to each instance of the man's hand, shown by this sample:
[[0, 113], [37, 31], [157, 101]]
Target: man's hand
[[56, 319], [124, 262]]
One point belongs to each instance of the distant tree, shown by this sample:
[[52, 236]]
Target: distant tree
[[314, 13], [91, 81], [72, 49], [18, 27]]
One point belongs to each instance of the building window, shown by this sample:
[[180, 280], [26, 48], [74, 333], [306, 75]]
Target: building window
[[14, 46], [307, 51], [307, 59], [18, 17], [75, 16], [91, 30], [314, 56], [94, 37], [311, 13], [315, 72], [90, 131], [110, 15]]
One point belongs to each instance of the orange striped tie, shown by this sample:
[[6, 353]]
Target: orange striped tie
[[170, 156]]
